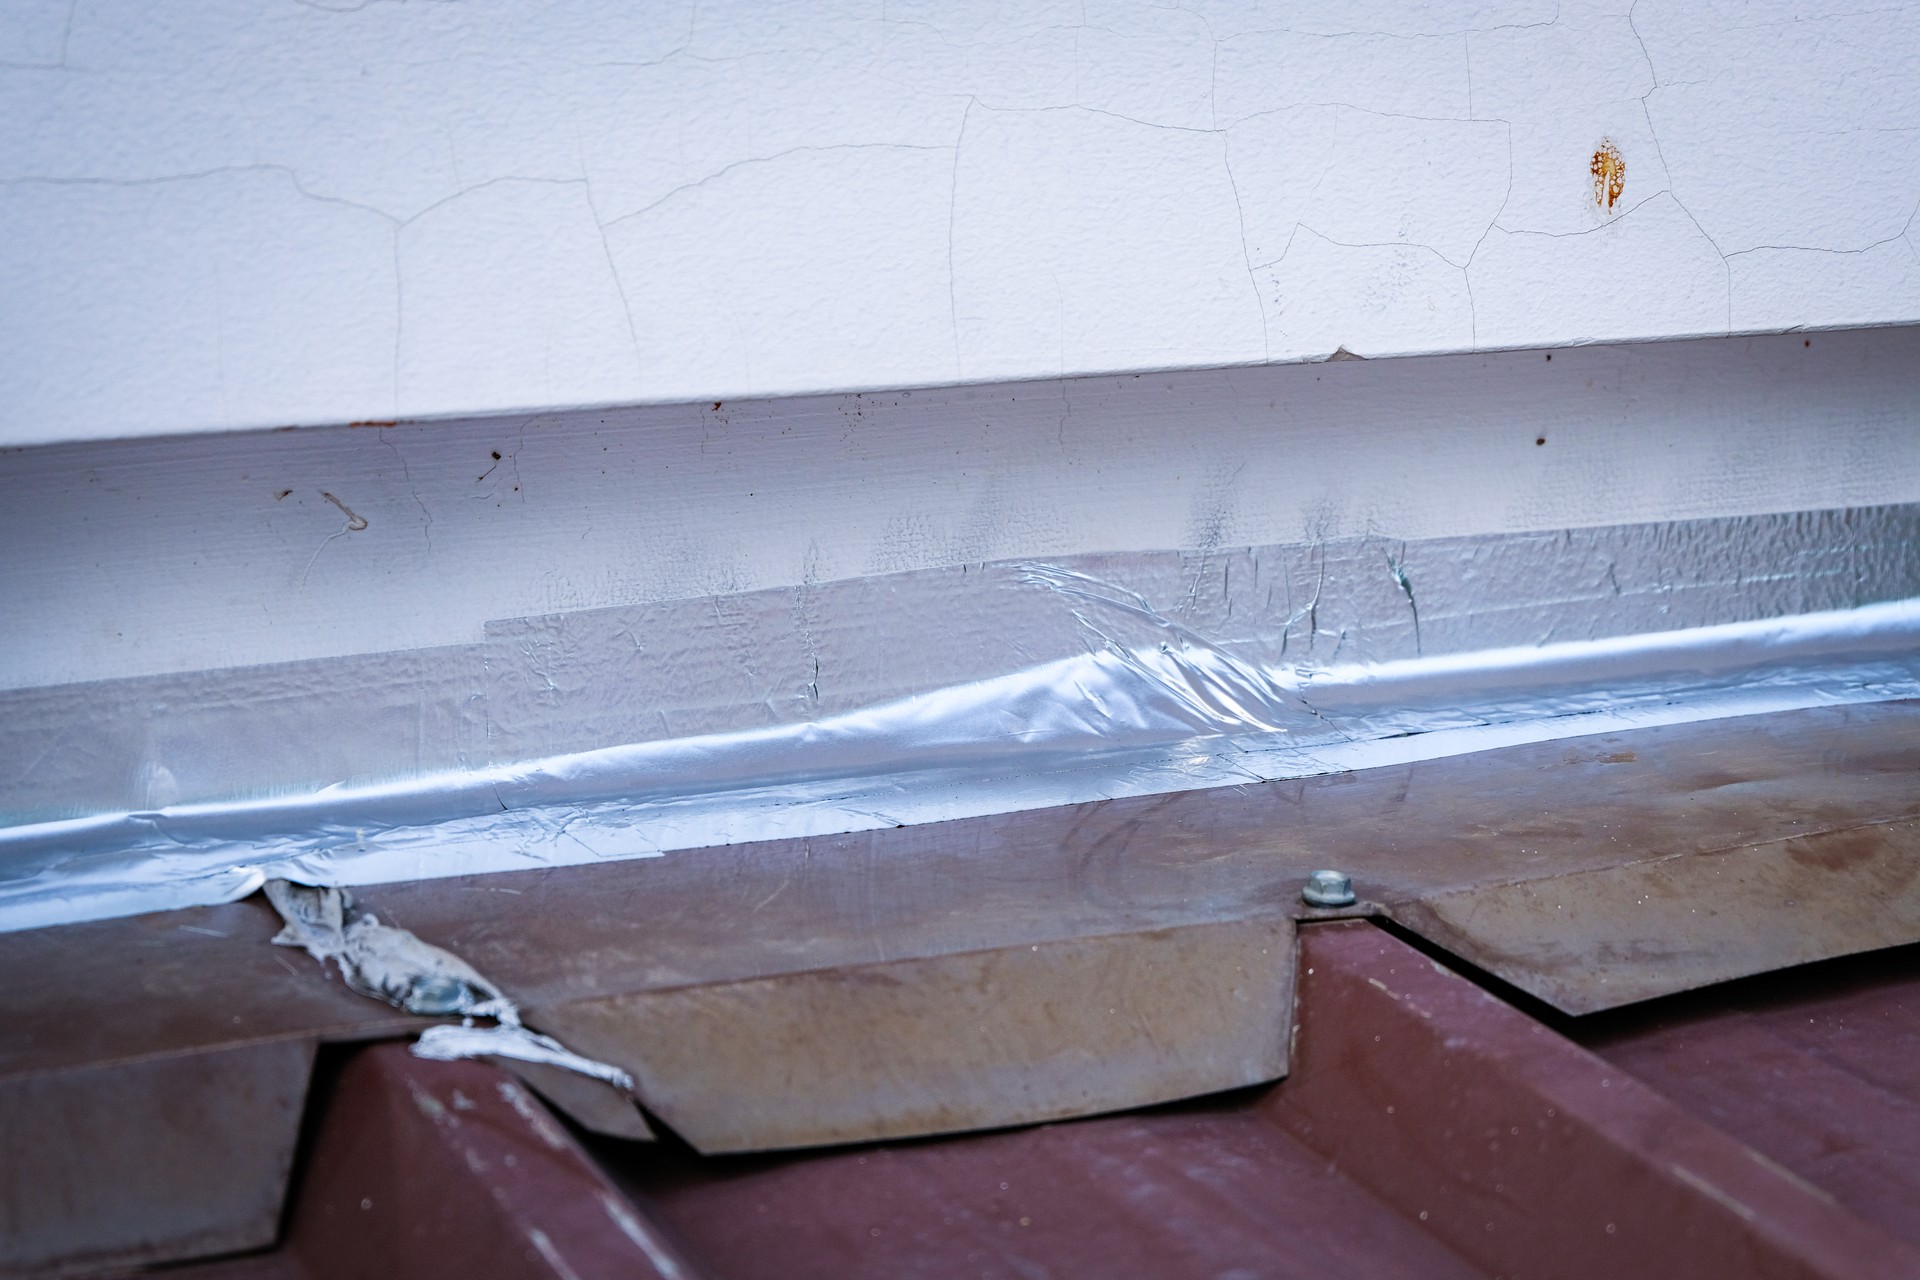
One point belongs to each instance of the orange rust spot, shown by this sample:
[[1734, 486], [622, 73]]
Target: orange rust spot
[[1609, 171], [376, 422]]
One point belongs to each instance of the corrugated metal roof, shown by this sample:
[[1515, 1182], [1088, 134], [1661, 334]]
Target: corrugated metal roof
[[1036, 966], [1429, 1130]]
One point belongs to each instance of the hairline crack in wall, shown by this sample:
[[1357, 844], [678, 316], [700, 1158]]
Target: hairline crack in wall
[[244, 216]]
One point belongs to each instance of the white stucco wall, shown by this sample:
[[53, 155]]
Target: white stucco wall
[[245, 213]]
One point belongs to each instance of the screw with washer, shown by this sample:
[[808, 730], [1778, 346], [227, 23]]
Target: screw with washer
[[1328, 889]]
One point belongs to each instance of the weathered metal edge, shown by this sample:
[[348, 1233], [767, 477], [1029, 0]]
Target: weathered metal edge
[[1594, 940], [941, 1044]]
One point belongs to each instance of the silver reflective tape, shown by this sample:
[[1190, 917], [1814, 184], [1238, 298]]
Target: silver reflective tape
[[1119, 718]]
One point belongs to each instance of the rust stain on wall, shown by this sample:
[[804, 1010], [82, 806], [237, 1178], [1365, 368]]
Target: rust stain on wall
[[1609, 172]]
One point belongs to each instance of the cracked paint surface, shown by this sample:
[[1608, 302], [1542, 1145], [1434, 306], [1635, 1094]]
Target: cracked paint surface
[[311, 211]]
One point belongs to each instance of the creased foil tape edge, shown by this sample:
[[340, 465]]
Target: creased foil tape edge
[[1116, 721]]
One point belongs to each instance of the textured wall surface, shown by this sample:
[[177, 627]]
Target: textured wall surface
[[136, 557], [306, 211]]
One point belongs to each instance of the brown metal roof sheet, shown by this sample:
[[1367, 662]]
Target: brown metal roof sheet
[[1059, 962], [1428, 1129], [1818, 1070]]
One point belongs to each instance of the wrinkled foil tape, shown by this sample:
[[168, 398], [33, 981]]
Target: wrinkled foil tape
[[1152, 704]]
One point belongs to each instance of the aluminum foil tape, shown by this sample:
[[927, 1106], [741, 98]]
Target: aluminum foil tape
[[930, 695]]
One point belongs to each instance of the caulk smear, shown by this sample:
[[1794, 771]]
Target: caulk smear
[[355, 523], [391, 964]]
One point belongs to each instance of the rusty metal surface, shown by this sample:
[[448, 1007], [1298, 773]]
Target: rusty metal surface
[[452, 1169], [1818, 1070], [1428, 1129], [950, 1043], [148, 1161], [1601, 938], [813, 991], [1409, 835], [880, 935], [1526, 1153]]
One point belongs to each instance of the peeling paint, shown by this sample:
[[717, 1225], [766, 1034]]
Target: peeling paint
[[1608, 168]]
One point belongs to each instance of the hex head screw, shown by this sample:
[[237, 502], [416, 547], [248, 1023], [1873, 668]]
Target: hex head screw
[[1328, 889]]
